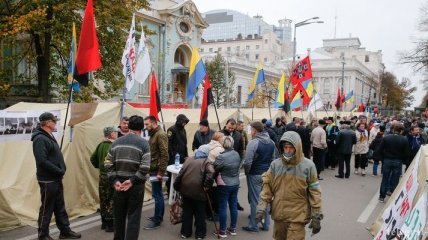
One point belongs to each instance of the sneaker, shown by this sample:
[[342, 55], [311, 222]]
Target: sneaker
[[356, 172], [388, 193], [220, 233], [374, 175], [183, 237], [152, 225], [363, 172], [231, 231], [200, 237], [70, 235], [46, 238], [338, 176], [248, 229], [381, 200]]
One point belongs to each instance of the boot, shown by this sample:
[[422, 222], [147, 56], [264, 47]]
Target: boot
[[103, 223], [109, 226]]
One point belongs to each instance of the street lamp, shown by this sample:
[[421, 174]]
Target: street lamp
[[299, 24]]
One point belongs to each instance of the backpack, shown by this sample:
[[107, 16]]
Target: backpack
[[176, 210]]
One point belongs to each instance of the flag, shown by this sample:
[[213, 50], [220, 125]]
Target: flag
[[316, 103], [309, 87], [349, 97], [338, 100], [301, 71], [144, 65], [128, 58], [296, 102], [259, 77], [286, 106], [71, 63], [88, 56], [155, 104], [361, 107], [197, 74], [305, 97], [207, 99], [280, 98]]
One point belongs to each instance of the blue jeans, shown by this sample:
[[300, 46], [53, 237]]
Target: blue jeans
[[375, 166], [391, 170], [255, 184], [159, 201], [227, 195]]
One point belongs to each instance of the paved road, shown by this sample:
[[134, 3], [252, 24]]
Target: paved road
[[349, 206]]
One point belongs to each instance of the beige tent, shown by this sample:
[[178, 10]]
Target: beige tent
[[19, 191]]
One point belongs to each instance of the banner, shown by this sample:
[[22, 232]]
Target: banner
[[316, 103], [416, 220], [19, 125]]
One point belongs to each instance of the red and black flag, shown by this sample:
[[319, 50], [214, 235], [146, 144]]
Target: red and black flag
[[302, 71], [286, 106], [361, 108], [207, 98], [155, 105], [338, 100]]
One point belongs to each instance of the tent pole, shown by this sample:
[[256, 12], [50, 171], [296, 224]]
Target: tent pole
[[66, 115], [216, 114], [270, 114]]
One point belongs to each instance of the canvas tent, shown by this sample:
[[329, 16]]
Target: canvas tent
[[19, 190]]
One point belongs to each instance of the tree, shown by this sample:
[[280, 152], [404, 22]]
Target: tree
[[216, 69], [39, 32], [397, 94]]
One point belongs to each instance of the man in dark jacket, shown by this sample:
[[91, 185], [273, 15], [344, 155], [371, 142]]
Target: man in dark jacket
[[332, 131], [415, 142], [260, 152], [177, 143], [203, 135], [268, 128], [158, 162], [345, 140], [51, 168], [230, 130], [394, 151]]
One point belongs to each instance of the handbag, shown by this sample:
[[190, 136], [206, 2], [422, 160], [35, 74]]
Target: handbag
[[370, 154], [176, 210]]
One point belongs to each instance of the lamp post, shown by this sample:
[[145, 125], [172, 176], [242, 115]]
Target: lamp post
[[299, 24]]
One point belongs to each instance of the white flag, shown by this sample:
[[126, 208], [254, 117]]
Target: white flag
[[128, 57], [315, 103], [144, 65]]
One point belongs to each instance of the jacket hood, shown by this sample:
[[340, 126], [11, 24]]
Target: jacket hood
[[181, 118], [202, 152], [263, 136], [39, 131], [293, 138]]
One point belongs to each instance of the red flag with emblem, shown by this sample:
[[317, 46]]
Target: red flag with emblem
[[301, 71]]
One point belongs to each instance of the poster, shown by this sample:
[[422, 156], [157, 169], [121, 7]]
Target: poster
[[19, 125]]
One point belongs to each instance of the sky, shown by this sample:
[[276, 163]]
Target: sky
[[387, 25]]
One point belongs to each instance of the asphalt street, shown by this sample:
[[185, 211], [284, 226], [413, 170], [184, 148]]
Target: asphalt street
[[349, 206]]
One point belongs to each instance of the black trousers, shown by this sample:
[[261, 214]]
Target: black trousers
[[330, 159], [193, 208], [360, 161], [319, 158], [52, 196], [344, 161], [127, 212]]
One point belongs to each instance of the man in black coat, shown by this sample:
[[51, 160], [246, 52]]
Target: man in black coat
[[177, 143], [345, 140], [203, 135], [230, 130], [51, 168]]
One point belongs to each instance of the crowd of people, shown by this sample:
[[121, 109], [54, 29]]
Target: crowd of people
[[282, 162]]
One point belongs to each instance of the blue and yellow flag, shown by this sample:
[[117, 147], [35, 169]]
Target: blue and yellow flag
[[280, 99], [197, 74], [71, 63], [259, 77], [296, 102], [349, 97], [309, 87]]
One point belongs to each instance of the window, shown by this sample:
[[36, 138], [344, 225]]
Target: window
[[228, 49], [247, 56], [202, 50], [266, 41], [238, 48], [239, 95], [257, 46], [257, 56], [211, 49], [326, 86], [367, 58], [247, 47], [219, 49], [265, 59], [17, 70]]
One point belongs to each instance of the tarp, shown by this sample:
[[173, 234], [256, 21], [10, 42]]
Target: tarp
[[409, 190]]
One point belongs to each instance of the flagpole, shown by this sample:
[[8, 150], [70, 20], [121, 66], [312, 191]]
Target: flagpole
[[122, 106], [216, 114], [301, 108], [270, 114], [66, 114]]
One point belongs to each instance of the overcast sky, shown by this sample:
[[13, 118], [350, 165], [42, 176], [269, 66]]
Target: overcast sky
[[387, 25]]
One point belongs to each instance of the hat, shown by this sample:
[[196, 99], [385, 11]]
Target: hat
[[108, 130], [376, 124], [204, 122], [269, 123], [47, 116]]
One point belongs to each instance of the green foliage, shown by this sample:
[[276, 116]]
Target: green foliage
[[396, 94], [43, 29], [217, 72]]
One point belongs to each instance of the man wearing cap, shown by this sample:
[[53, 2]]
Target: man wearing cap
[[51, 168], [105, 189], [203, 135], [292, 187], [127, 165], [259, 154], [159, 160]]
